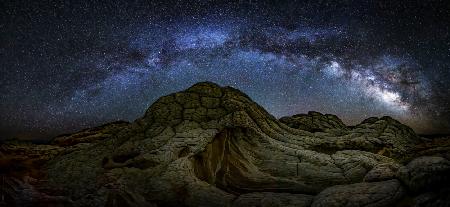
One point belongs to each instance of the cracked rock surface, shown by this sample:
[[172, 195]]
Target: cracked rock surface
[[214, 146]]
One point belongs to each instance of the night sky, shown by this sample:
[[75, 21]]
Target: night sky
[[70, 65]]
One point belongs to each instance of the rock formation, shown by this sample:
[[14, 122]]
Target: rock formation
[[214, 146]]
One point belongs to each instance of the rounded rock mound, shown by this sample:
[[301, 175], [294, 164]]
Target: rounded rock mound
[[213, 146]]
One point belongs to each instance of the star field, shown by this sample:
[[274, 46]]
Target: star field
[[69, 65]]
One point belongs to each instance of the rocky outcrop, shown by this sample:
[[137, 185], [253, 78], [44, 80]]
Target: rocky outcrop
[[382, 135], [315, 122], [426, 173], [19, 159], [437, 146], [214, 146]]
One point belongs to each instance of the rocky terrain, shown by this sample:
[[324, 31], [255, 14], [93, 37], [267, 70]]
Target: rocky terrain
[[214, 146]]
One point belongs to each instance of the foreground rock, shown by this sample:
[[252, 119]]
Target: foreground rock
[[437, 198], [23, 183], [214, 146], [381, 172], [376, 194], [273, 199]]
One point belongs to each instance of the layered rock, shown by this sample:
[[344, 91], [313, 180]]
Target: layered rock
[[22, 181], [90, 135], [214, 146]]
